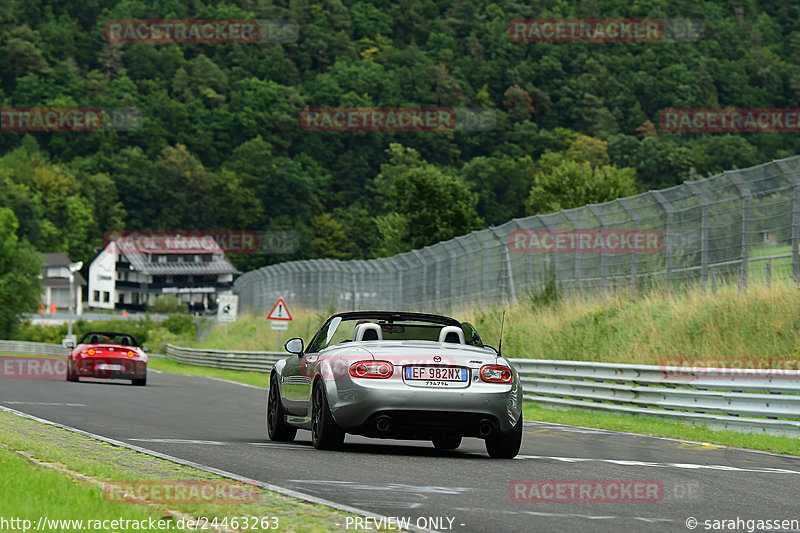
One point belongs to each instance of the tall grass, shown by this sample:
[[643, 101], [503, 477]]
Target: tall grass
[[762, 322], [651, 328]]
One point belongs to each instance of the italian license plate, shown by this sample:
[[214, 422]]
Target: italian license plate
[[437, 373], [103, 366]]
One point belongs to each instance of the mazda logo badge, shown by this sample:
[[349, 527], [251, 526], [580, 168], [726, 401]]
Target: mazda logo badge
[[437, 358]]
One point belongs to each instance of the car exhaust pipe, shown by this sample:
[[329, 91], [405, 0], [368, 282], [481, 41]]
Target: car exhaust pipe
[[485, 428], [383, 423]]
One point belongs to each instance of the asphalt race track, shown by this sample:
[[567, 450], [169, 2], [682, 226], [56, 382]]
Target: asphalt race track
[[221, 425]]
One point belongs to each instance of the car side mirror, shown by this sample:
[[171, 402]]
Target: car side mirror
[[145, 349], [294, 346], [69, 344]]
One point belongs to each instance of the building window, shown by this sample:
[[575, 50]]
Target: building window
[[96, 297], [161, 258], [106, 296]]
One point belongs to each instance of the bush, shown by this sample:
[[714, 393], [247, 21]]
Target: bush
[[167, 303], [179, 324]]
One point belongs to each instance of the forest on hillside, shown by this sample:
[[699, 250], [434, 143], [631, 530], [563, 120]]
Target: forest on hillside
[[221, 145]]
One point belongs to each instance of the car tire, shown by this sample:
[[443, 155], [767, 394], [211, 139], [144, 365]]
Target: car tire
[[71, 375], [506, 445], [277, 429], [447, 443], [325, 433], [139, 382]]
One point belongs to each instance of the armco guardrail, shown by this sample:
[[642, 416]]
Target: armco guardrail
[[751, 400], [748, 400], [33, 348], [230, 359]]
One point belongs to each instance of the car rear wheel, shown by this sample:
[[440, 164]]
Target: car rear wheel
[[139, 382], [505, 446], [72, 375], [447, 443], [277, 429], [325, 433]]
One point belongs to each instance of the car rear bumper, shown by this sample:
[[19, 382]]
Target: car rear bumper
[[88, 368], [365, 408]]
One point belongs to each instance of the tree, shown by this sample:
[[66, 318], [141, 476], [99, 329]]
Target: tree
[[433, 205], [20, 267], [563, 183]]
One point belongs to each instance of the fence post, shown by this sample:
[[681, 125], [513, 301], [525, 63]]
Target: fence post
[[667, 235], [603, 255], [697, 191], [570, 214], [795, 218], [508, 277], [635, 217], [744, 271]]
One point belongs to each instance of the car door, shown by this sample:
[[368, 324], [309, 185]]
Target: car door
[[299, 371], [296, 383]]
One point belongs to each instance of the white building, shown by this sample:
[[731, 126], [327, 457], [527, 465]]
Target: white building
[[129, 272], [55, 281]]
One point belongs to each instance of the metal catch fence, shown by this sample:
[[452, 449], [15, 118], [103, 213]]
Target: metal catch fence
[[739, 225]]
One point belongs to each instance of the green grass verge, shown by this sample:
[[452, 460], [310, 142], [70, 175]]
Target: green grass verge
[[661, 427], [28, 491], [258, 379]]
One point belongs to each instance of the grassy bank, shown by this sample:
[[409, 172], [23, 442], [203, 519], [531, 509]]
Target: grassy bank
[[74, 488], [763, 322]]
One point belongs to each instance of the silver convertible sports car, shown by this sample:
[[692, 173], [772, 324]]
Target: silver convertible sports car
[[396, 375]]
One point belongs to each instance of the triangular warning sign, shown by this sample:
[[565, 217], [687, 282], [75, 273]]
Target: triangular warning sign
[[279, 311]]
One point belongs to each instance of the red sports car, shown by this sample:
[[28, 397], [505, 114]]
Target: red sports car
[[108, 355]]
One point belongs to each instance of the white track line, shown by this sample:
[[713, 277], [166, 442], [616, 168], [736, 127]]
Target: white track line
[[222, 473], [534, 423]]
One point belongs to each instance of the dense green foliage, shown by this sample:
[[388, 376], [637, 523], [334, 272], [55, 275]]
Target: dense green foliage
[[222, 147], [19, 274], [177, 328]]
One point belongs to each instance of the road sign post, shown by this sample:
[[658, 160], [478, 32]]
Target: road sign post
[[279, 318]]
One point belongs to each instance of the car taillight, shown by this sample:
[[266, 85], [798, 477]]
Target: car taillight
[[372, 369], [496, 374], [131, 354], [91, 351]]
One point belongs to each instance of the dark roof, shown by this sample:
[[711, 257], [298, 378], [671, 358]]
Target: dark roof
[[138, 259], [59, 259], [56, 259], [63, 283]]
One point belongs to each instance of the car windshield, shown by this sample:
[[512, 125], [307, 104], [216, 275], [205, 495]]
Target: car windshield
[[108, 338], [338, 331]]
